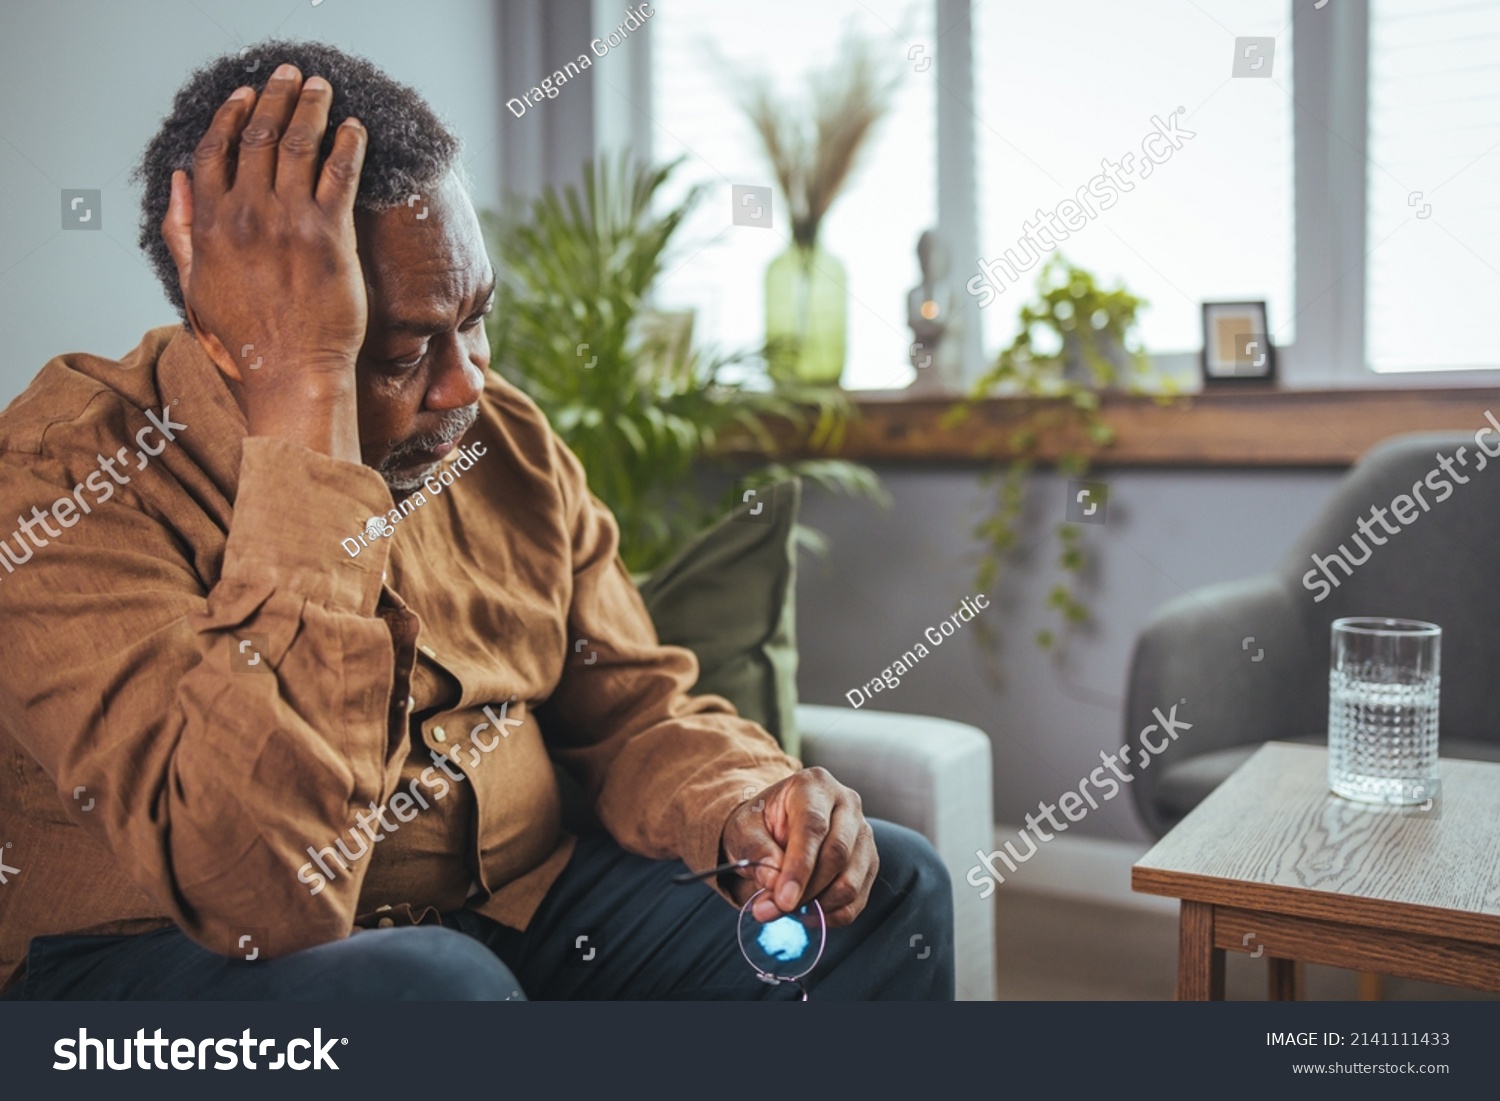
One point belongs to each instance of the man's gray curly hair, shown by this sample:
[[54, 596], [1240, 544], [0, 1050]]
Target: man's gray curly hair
[[409, 149]]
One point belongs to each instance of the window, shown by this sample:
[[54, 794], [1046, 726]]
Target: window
[[1063, 93], [873, 228], [1060, 88], [1433, 185]]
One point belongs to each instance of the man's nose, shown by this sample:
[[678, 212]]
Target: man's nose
[[459, 376]]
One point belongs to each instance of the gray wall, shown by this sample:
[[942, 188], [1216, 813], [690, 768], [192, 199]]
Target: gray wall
[[85, 84], [888, 577]]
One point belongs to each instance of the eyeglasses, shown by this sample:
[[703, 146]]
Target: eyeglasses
[[782, 950]]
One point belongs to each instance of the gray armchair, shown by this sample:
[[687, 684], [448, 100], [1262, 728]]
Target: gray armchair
[[1251, 657]]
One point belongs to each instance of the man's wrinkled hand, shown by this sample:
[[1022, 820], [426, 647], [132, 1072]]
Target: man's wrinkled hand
[[811, 838], [264, 242]]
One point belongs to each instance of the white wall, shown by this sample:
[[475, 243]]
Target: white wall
[[85, 84]]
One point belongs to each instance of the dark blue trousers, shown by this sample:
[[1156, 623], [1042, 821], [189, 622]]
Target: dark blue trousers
[[613, 926]]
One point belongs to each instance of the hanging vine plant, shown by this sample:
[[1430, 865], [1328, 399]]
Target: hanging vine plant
[[1076, 338]]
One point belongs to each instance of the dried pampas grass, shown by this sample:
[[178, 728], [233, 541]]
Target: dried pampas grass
[[813, 157]]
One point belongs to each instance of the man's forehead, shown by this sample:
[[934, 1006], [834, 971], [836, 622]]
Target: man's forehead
[[428, 248], [398, 314]]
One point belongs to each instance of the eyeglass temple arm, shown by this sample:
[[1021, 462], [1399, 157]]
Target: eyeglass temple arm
[[733, 865]]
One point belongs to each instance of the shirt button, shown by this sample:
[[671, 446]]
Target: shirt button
[[385, 923], [428, 650], [438, 735], [380, 909], [411, 702], [383, 577]]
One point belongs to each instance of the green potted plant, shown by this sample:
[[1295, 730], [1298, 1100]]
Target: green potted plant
[[812, 154], [642, 409]]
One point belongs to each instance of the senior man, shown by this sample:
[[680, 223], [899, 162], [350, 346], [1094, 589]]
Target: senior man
[[230, 742]]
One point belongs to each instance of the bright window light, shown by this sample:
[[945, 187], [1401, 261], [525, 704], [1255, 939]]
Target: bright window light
[[719, 269], [1433, 270], [1061, 87]]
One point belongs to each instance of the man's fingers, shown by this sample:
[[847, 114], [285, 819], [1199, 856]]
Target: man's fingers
[[340, 178], [838, 916], [844, 863], [837, 849], [213, 159], [750, 839], [256, 172], [809, 812], [297, 156], [745, 882], [849, 892]]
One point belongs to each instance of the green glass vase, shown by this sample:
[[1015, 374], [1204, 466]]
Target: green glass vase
[[806, 317]]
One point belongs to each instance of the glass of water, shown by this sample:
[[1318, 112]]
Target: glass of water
[[1383, 710]]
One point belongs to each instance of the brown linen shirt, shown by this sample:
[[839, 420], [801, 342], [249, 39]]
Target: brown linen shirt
[[213, 714]]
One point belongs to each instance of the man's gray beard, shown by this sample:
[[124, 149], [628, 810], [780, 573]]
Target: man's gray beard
[[406, 485], [454, 425]]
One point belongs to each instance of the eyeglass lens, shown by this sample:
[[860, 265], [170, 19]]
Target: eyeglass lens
[[785, 948]]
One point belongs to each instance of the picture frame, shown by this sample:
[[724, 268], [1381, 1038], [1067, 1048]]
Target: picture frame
[[1237, 347]]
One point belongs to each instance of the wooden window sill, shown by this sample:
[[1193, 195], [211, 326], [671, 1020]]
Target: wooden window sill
[[1220, 428]]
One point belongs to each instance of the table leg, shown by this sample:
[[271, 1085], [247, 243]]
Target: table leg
[[1200, 966], [1285, 980]]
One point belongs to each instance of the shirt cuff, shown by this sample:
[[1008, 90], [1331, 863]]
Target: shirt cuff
[[296, 511]]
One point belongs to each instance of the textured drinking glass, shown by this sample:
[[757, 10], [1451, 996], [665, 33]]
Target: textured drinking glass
[[1383, 710]]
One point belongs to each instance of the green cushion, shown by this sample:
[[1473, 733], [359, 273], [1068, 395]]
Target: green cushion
[[729, 596]]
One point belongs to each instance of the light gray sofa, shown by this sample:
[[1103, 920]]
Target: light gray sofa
[[930, 775]]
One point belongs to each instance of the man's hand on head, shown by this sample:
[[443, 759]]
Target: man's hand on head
[[810, 833], [264, 243]]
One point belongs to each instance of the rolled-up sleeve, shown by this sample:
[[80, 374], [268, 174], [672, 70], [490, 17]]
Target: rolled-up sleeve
[[664, 768], [221, 732]]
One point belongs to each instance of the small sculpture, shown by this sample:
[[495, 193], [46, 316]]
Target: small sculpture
[[929, 311]]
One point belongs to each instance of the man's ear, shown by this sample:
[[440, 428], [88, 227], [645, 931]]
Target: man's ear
[[177, 232]]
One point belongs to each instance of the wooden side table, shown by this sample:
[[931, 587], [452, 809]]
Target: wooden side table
[[1274, 864]]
